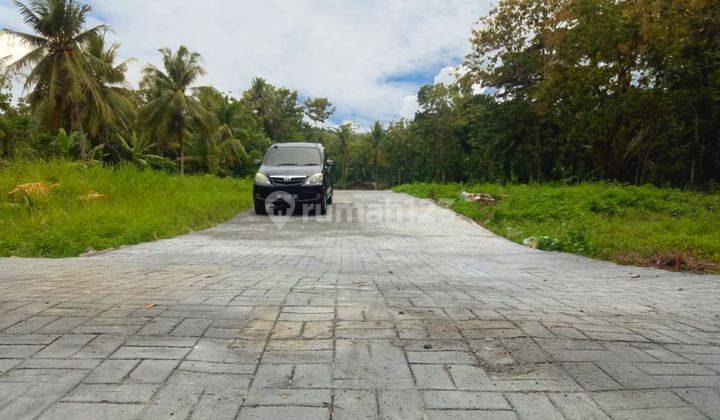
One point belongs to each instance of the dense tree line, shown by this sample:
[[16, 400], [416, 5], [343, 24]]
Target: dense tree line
[[576, 90], [554, 90]]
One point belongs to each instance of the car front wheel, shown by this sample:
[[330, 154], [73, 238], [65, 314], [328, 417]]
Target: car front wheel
[[260, 207], [323, 205]]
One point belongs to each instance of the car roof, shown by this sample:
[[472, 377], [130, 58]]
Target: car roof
[[308, 145]]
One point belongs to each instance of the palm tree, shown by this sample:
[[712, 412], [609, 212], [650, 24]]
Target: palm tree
[[224, 144], [170, 107], [111, 80], [61, 79]]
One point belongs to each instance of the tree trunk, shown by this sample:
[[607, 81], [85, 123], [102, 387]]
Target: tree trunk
[[375, 165], [607, 147], [442, 151], [181, 140], [76, 126], [540, 146], [6, 145]]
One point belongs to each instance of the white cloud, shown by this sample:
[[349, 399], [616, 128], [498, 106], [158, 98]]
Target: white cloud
[[11, 51], [344, 50], [9, 47], [409, 107], [447, 75]]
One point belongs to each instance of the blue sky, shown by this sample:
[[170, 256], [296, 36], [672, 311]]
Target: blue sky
[[368, 57]]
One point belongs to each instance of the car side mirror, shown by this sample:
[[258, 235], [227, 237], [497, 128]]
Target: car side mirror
[[329, 162], [257, 162]]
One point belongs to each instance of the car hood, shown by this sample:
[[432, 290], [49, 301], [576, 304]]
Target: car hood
[[290, 170]]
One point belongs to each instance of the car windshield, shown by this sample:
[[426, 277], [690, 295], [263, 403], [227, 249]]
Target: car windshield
[[292, 156]]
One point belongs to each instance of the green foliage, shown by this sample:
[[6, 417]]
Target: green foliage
[[66, 142], [572, 91], [138, 151], [170, 107], [61, 79], [277, 109], [553, 91], [318, 109], [139, 205], [610, 221]]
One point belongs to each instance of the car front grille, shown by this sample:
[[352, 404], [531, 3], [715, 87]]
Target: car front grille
[[288, 180]]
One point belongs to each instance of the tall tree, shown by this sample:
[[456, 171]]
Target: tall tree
[[437, 121], [344, 134], [509, 54], [318, 110], [377, 134], [277, 109], [172, 106], [112, 83], [61, 78], [233, 129]]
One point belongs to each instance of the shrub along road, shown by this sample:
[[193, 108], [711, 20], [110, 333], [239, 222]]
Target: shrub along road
[[389, 307]]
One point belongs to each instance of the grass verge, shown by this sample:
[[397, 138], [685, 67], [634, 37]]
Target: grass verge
[[104, 207], [648, 226]]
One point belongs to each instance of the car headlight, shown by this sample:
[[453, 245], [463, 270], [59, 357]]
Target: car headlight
[[261, 179], [316, 179]]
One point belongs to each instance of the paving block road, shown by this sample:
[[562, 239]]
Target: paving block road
[[390, 307]]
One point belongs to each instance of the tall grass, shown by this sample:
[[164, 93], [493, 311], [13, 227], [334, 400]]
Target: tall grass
[[139, 206], [643, 225]]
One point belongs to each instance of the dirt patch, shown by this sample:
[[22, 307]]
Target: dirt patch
[[673, 261]]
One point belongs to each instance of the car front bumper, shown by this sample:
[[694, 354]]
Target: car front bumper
[[279, 195]]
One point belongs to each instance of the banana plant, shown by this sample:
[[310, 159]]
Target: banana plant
[[137, 149]]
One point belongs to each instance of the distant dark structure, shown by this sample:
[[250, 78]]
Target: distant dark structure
[[363, 185]]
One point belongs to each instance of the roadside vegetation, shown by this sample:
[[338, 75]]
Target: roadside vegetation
[[561, 92], [552, 91], [70, 208], [650, 226]]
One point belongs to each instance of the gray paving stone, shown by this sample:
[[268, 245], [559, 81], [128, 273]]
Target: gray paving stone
[[578, 406], [35, 400], [173, 401], [169, 353], [465, 400], [354, 405], [533, 406], [400, 405], [120, 393], [92, 411], [111, 371], [65, 346], [354, 316], [445, 357], [100, 347], [432, 377], [217, 406], [626, 400], [153, 371], [591, 377], [659, 414], [707, 401], [274, 413], [299, 397], [470, 414], [16, 351]]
